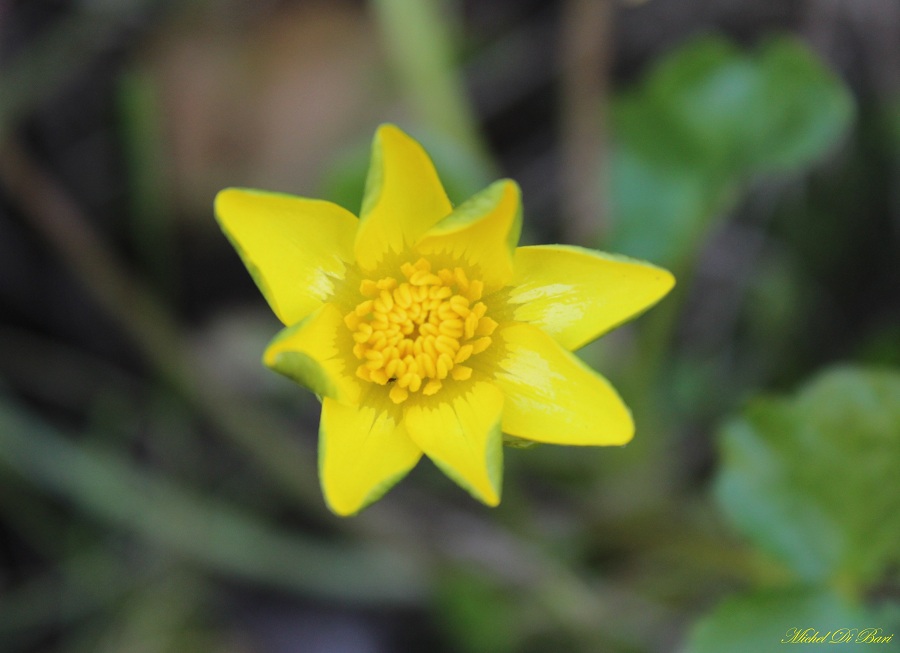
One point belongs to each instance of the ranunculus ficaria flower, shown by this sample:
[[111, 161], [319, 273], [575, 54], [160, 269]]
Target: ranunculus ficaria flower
[[423, 328]]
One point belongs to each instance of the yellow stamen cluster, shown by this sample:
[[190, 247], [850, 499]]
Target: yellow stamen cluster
[[415, 333]]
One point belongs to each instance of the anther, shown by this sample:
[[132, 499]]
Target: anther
[[413, 332]]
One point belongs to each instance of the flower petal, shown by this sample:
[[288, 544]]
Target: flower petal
[[462, 436], [403, 197], [293, 247], [551, 396], [307, 352], [484, 231], [577, 294], [363, 453]]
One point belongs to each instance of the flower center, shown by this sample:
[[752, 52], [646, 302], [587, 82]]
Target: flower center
[[415, 333]]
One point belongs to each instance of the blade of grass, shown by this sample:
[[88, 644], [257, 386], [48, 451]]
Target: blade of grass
[[151, 214], [219, 536], [421, 50]]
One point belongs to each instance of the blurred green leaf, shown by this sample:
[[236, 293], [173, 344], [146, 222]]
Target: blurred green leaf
[[702, 125], [481, 616], [661, 209], [762, 621], [887, 616], [813, 479], [803, 108]]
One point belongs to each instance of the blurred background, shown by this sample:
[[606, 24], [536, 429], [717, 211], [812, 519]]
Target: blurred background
[[158, 488]]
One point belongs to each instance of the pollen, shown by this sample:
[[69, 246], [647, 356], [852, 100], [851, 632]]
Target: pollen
[[416, 333]]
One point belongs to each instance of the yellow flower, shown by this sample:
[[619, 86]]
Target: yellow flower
[[423, 328]]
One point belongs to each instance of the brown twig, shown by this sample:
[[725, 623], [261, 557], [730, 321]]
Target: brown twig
[[586, 53]]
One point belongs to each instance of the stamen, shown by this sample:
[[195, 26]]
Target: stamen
[[413, 333]]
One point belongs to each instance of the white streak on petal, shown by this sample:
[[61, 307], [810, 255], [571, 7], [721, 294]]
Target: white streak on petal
[[541, 292]]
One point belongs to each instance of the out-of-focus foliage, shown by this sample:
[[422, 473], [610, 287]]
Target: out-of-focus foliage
[[813, 479], [482, 617], [213, 533], [422, 43], [158, 489], [702, 125], [763, 621]]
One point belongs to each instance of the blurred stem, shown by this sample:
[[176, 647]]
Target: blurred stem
[[654, 340], [147, 173], [586, 60], [420, 47], [57, 218], [658, 327]]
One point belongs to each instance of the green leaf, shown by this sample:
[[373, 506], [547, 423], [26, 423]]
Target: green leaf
[[813, 480], [705, 122], [807, 108], [765, 621], [661, 211]]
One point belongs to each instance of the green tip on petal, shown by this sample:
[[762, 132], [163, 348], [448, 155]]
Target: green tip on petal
[[307, 353]]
